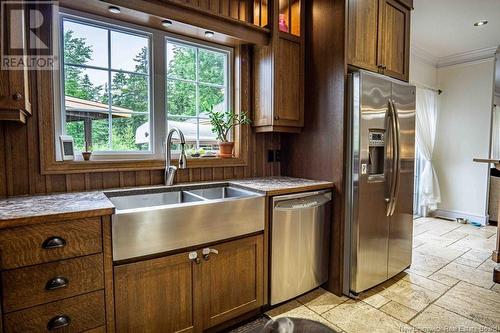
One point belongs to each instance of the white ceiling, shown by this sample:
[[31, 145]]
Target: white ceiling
[[444, 28]]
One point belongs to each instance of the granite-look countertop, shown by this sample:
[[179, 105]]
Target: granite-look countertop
[[281, 185], [20, 210], [24, 210]]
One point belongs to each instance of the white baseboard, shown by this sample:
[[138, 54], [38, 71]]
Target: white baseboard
[[452, 215]]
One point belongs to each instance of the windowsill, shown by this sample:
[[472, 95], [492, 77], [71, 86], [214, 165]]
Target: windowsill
[[65, 167]]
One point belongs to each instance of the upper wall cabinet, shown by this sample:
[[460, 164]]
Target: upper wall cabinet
[[279, 71], [379, 36], [14, 84]]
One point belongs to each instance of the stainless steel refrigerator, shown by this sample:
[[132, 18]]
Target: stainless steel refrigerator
[[379, 180]]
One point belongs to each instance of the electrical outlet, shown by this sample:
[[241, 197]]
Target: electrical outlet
[[270, 156], [277, 155]]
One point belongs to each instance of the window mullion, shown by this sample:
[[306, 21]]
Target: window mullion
[[110, 108], [197, 98]]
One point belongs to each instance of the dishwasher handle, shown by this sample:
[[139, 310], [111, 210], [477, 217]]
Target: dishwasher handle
[[303, 203]]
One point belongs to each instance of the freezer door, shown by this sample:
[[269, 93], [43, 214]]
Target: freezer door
[[401, 221], [369, 221]]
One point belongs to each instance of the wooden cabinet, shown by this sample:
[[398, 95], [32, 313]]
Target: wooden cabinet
[[158, 295], [14, 84], [279, 72], [56, 275], [181, 294], [379, 36], [232, 280]]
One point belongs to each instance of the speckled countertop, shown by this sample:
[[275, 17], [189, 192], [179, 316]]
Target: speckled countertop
[[23, 210], [19, 210], [281, 185]]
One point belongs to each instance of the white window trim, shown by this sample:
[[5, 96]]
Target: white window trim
[[158, 111]]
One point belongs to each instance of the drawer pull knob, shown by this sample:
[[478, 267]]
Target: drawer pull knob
[[53, 243], [56, 283], [58, 322]]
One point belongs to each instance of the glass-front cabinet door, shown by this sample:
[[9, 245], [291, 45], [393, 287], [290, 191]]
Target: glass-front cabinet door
[[289, 17]]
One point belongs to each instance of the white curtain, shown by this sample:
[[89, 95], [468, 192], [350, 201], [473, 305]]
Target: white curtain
[[429, 193], [495, 135]]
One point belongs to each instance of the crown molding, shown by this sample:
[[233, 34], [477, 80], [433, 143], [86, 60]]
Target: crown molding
[[469, 56], [451, 60]]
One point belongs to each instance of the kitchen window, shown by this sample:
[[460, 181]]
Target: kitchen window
[[112, 103], [197, 83], [106, 87]]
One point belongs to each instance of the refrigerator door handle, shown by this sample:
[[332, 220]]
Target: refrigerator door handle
[[392, 135], [397, 155]]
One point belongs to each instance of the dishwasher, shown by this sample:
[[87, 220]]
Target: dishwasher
[[300, 238]]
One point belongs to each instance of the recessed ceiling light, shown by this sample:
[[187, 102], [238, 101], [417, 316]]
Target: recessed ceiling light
[[480, 23], [209, 34], [114, 9], [166, 23]]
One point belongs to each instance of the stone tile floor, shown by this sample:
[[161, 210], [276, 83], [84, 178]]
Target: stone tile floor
[[448, 288]]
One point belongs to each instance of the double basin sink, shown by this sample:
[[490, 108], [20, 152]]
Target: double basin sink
[[163, 219]]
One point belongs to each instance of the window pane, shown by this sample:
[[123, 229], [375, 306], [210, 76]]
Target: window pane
[[129, 52], [130, 92], [131, 132], [181, 62], [212, 67], [88, 126], [181, 98], [206, 136], [84, 44], [86, 84], [211, 98]]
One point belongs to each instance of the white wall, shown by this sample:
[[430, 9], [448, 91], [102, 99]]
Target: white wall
[[463, 132], [422, 73]]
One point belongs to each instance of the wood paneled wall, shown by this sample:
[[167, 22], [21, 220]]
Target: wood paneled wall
[[236, 9], [318, 152], [20, 166]]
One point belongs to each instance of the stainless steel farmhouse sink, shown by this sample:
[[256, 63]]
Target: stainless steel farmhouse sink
[[161, 219]]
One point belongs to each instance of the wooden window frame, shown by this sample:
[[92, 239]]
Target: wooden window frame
[[45, 80]]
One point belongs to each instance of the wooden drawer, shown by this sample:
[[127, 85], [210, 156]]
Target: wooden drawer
[[34, 285], [84, 313], [30, 245]]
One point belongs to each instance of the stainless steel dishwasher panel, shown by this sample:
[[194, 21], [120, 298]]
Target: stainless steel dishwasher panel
[[300, 234]]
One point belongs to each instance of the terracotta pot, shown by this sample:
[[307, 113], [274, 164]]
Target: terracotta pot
[[226, 149], [86, 155]]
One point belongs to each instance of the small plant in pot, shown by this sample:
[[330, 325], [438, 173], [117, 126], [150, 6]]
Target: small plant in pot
[[222, 123]]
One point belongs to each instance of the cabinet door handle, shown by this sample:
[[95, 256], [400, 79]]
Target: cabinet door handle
[[53, 242], [193, 256], [56, 283], [58, 322], [17, 96], [207, 251], [276, 117]]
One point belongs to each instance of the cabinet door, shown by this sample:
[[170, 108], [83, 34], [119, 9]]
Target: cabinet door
[[288, 109], [157, 295], [14, 89], [394, 39], [363, 27], [232, 280]]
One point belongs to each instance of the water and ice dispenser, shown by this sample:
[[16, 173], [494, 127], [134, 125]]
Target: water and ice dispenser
[[376, 151]]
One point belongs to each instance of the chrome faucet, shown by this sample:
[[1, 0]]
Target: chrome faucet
[[171, 169]]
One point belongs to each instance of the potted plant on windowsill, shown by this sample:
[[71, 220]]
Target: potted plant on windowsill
[[222, 123]]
